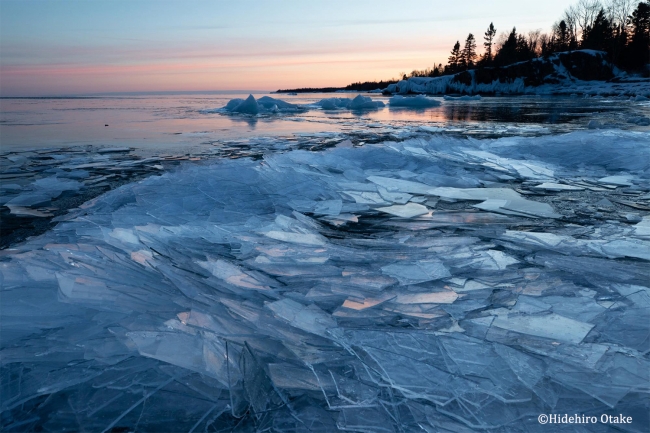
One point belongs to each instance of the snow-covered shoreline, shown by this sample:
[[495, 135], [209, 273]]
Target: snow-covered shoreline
[[560, 74], [636, 88]]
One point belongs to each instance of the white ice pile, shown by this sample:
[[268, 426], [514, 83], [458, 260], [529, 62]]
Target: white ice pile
[[265, 104], [415, 286], [419, 101], [358, 103]]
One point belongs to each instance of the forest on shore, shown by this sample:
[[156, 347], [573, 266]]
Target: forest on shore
[[620, 28]]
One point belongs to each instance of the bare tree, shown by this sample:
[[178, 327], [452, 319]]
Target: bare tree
[[545, 43], [586, 11], [571, 20], [533, 41], [618, 12], [503, 37]]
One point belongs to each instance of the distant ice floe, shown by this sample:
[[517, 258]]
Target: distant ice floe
[[358, 103], [462, 98], [419, 101], [395, 287], [265, 104]]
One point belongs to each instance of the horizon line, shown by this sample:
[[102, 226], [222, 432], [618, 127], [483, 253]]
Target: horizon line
[[134, 93]]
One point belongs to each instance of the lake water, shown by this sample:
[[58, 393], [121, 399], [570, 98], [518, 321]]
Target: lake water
[[180, 122]]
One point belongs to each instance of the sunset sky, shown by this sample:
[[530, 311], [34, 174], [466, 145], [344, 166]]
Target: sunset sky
[[80, 47]]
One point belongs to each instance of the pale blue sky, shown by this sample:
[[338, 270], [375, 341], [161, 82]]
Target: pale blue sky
[[71, 47]]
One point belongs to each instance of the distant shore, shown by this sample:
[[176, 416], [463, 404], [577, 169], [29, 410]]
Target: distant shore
[[366, 86], [579, 72]]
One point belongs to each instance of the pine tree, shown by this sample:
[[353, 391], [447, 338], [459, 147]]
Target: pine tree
[[469, 52], [637, 52], [489, 37], [455, 58], [599, 36], [508, 52], [562, 36]]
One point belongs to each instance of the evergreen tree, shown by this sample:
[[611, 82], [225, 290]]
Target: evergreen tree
[[508, 52], [638, 50], [598, 36], [524, 51], [489, 37], [469, 52], [562, 36], [455, 58]]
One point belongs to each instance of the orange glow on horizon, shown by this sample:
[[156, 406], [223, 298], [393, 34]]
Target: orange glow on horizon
[[218, 74]]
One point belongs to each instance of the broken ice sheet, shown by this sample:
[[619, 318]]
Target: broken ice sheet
[[408, 210], [417, 272], [311, 318], [232, 274], [447, 297], [519, 207], [551, 326], [620, 180], [267, 296], [550, 186]]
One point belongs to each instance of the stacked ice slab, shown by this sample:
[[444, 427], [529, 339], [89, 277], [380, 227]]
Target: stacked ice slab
[[398, 287]]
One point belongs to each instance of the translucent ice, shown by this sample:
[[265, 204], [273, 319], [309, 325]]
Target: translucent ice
[[422, 285], [365, 103], [419, 101]]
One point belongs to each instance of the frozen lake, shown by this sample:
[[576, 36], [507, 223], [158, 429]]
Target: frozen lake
[[465, 267]]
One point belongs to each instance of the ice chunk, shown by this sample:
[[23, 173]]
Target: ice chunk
[[400, 185], [298, 238], [365, 103], [355, 304], [247, 106], [627, 248], [501, 259], [395, 197], [26, 211], [551, 326], [519, 207], [29, 199], [371, 198], [272, 104], [621, 180], [642, 229], [447, 297], [334, 103], [310, 319], [419, 101], [328, 207], [462, 98], [558, 187], [408, 210], [231, 274], [418, 272]]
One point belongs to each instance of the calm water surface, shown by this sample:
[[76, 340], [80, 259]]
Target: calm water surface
[[183, 121]]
